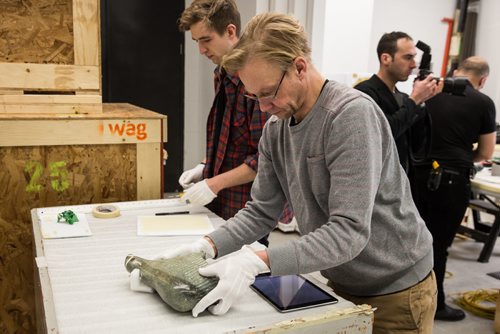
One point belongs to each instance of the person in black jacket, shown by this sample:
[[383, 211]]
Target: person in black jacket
[[406, 114], [458, 121]]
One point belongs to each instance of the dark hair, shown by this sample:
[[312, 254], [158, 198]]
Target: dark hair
[[388, 43], [216, 14]]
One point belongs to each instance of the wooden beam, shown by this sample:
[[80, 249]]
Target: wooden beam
[[149, 165], [11, 92], [86, 32], [47, 99], [111, 111], [46, 77], [51, 108], [59, 104]]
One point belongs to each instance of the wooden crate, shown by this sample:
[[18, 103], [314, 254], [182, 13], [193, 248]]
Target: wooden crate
[[54, 159], [50, 57]]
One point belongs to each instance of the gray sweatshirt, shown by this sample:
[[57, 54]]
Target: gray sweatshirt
[[339, 169]]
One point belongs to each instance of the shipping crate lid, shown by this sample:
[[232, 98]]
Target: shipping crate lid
[[109, 111]]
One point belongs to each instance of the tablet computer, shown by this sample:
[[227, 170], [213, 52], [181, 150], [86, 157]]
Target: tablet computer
[[291, 292]]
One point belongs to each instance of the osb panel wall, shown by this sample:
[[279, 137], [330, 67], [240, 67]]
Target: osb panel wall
[[32, 177], [36, 31]]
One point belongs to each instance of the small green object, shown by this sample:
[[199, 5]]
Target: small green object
[[68, 217]]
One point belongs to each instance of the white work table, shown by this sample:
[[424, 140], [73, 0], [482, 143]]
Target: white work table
[[486, 184], [84, 288]]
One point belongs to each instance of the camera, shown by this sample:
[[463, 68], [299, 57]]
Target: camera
[[454, 86]]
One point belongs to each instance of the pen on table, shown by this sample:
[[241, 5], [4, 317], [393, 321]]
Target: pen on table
[[172, 213]]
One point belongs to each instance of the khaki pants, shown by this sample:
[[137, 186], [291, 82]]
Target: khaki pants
[[408, 311]]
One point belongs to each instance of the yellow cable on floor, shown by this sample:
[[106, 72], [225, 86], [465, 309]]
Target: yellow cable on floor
[[476, 302]]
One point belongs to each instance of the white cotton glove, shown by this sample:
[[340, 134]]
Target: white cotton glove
[[136, 283], [191, 176], [236, 273], [200, 194], [201, 245]]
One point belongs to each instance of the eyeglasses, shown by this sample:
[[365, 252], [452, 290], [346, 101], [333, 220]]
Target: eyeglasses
[[268, 98]]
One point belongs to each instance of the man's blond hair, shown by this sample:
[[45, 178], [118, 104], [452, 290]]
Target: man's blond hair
[[216, 14], [273, 37]]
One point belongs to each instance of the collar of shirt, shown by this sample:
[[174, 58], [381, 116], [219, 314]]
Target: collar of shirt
[[219, 72]]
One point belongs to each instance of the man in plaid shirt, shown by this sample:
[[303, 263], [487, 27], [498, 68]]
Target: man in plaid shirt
[[224, 178]]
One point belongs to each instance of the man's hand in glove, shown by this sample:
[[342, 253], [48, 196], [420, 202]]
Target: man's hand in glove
[[202, 245], [200, 194], [236, 273], [191, 176]]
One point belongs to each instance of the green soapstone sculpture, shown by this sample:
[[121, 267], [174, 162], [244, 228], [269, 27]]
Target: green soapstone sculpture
[[176, 280]]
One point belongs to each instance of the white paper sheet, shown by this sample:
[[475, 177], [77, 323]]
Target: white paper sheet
[[51, 229], [192, 224]]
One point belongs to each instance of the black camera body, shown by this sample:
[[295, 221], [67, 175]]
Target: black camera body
[[454, 86]]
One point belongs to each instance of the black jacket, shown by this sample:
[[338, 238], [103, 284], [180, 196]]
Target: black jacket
[[409, 123]]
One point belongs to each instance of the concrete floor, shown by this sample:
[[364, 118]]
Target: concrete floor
[[466, 275]]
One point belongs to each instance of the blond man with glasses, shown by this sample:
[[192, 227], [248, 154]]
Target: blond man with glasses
[[328, 150]]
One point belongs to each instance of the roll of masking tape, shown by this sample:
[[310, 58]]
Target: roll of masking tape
[[106, 211]]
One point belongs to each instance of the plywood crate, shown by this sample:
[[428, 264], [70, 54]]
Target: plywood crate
[[56, 159], [50, 56]]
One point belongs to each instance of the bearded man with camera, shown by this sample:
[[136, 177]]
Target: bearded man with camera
[[406, 113]]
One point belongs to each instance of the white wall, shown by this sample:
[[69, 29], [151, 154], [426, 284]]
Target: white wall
[[487, 46], [347, 33], [198, 92]]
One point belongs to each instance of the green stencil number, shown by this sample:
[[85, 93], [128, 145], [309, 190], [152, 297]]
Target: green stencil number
[[35, 169], [57, 171], [59, 176]]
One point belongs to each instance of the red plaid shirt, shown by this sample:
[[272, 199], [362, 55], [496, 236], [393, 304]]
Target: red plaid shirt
[[240, 132]]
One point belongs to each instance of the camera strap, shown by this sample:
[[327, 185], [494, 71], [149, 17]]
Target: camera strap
[[427, 143]]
